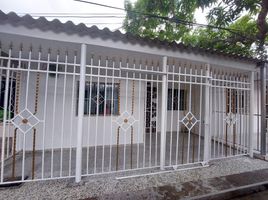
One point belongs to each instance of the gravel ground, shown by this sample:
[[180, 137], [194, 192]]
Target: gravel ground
[[106, 184]]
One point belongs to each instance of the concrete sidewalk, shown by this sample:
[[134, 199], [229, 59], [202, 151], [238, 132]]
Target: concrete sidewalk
[[218, 188], [221, 175]]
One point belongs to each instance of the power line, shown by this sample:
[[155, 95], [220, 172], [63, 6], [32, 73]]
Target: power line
[[173, 19]]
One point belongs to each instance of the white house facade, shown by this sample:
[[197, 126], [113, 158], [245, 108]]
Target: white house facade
[[78, 101]]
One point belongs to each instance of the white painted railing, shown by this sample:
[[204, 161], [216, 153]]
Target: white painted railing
[[69, 117]]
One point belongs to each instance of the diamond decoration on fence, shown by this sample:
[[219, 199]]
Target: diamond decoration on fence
[[25, 121], [189, 121], [101, 99], [125, 120], [230, 119]]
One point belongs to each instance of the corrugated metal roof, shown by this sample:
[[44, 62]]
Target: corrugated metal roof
[[81, 29]]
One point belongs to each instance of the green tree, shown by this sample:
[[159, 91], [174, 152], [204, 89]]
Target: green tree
[[224, 40], [246, 19], [148, 26]]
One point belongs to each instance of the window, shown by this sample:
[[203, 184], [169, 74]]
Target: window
[[11, 97], [236, 101], [173, 103], [100, 100]]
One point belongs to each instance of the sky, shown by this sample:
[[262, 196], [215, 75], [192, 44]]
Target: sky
[[77, 8]]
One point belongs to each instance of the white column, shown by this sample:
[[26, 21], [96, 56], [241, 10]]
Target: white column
[[207, 139], [163, 115], [81, 97], [251, 114]]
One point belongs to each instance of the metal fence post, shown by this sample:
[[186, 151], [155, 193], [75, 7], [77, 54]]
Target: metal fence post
[[164, 115], [251, 114], [81, 97], [207, 140], [263, 108]]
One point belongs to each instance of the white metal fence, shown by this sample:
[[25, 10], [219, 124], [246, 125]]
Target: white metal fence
[[71, 114]]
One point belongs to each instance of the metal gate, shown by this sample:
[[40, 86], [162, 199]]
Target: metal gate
[[70, 114], [230, 114]]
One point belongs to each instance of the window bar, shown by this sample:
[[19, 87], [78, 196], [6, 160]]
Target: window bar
[[5, 115], [200, 115], [112, 113], [89, 114], [97, 115], [63, 113], [104, 115], [139, 114], [44, 116], [172, 112], [157, 114], [53, 116], [151, 117], [190, 110]]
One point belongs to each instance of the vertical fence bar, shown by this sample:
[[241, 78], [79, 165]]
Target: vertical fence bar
[[207, 117], [157, 114], [200, 115], [251, 114], [164, 115], [80, 113], [263, 108], [45, 116]]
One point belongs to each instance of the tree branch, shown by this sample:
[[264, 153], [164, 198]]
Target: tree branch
[[261, 22]]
